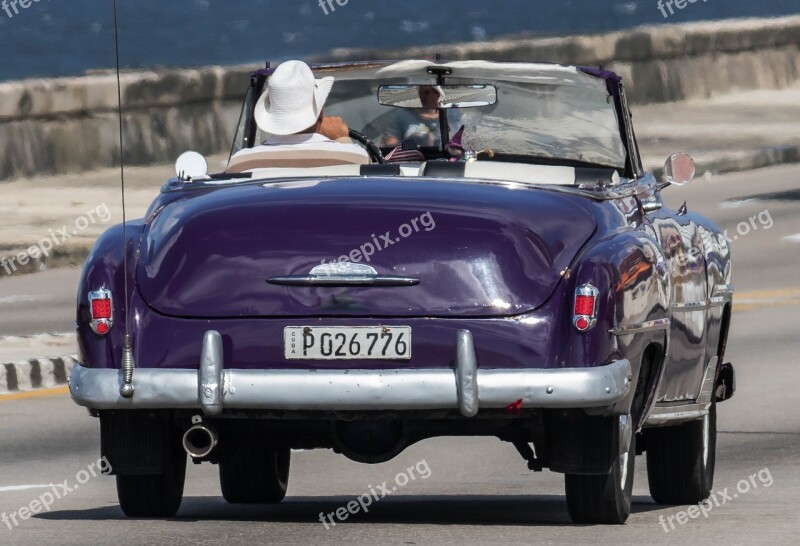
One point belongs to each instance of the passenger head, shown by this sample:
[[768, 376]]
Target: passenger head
[[293, 101], [431, 96]]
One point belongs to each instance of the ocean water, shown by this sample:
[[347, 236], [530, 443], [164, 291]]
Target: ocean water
[[67, 37]]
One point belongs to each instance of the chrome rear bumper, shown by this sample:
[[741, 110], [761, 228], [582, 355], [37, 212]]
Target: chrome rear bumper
[[467, 388]]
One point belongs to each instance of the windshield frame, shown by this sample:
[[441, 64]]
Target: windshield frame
[[379, 72]]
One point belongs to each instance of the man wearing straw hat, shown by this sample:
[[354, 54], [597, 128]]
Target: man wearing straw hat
[[291, 112]]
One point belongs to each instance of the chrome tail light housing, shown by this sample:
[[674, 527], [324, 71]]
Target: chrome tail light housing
[[584, 313], [101, 311]]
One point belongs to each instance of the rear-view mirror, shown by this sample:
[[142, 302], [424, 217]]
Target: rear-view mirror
[[437, 96]]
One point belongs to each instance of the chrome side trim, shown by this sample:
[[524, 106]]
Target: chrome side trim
[[719, 294], [709, 378], [341, 390], [690, 306], [667, 415], [466, 374], [642, 327], [723, 290]]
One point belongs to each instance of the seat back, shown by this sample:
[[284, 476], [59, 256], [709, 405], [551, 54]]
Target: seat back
[[286, 157]]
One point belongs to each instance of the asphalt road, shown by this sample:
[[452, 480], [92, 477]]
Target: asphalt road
[[478, 490], [38, 304]]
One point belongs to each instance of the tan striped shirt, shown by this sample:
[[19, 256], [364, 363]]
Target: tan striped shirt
[[297, 151]]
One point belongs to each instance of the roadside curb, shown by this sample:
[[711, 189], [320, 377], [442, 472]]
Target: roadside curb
[[72, 255], [752, 159], [36, 373], [740, 161]]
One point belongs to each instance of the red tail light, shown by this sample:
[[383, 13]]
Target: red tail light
[[584, 314], [584, 305], [102, 311]]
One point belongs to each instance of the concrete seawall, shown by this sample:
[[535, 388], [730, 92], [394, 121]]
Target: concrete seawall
[[70, 124], [662, 63]]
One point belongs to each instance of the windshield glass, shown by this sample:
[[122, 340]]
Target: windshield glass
[[547, 116]]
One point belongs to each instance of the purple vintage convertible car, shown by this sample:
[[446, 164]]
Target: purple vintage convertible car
[[523, 280]]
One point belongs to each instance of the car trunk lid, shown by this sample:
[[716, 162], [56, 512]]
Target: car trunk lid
[[438, 249]]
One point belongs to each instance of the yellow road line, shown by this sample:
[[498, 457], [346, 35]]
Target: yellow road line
[[39, 393], [758, 294], [745, 301]]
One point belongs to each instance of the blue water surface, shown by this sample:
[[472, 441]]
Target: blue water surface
[[66, 37]]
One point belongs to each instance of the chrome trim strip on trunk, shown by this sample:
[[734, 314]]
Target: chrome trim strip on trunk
[[337, 274], [343, 280], [360, 389], [648, 326]]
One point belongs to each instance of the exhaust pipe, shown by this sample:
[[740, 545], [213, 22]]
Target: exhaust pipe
[[199, 441]]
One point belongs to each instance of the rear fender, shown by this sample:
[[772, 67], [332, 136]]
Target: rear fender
[[629, 270], [104, 268]]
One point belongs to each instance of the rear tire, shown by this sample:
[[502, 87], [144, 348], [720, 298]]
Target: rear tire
[[254, 472], [155, 495], [604, 499], [681, 460]]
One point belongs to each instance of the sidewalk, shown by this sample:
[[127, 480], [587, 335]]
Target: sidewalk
[[727, 133]]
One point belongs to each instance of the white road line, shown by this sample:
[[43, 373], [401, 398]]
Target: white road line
[[19, 299], [38, 337], [24, 487], [793, 238], [735, 204]]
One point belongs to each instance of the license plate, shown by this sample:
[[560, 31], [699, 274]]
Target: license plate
[[347, 343]]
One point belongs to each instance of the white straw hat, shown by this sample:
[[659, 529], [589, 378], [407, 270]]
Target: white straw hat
[[293, 100]]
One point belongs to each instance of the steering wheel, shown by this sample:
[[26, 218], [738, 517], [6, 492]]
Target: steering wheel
[[372, 148]]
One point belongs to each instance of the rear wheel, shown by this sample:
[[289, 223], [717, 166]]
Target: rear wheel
[[681, 460], [155, 495], [254, 472], [606, 498]]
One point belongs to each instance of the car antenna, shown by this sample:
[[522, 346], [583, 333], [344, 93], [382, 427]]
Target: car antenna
[[126, 390]]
